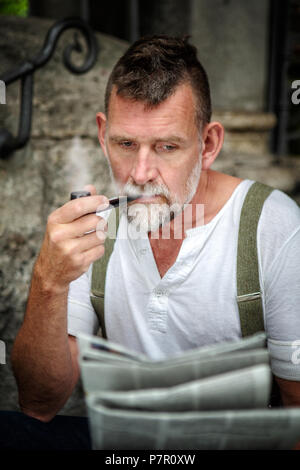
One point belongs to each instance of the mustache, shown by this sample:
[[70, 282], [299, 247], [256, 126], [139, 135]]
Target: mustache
[[149, 189]]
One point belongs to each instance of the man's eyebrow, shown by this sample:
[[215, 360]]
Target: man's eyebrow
[[169, 138], [119, 138]]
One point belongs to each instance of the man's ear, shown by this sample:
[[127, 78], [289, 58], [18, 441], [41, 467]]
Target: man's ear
[[101, 123], [212, 139]]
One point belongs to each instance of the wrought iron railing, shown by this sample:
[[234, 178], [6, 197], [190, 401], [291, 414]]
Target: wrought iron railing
[[25, 73]]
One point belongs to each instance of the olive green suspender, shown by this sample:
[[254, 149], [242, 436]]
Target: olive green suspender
[[248, 287], [99, 275]]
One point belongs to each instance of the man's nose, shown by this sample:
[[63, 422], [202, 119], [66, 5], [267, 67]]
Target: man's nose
[[144, 169]]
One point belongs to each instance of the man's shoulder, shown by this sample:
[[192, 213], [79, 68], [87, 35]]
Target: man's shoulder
[[279, 222], [281, 210]]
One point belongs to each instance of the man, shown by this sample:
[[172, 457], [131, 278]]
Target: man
[[163, 294]]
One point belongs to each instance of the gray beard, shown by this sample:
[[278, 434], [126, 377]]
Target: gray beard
[[145, 218]]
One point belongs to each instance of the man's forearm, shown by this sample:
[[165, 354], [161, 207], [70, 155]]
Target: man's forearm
[[41, 355], [290, 391]]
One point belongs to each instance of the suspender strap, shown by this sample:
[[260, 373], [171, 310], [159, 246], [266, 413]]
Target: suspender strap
[[248, 287], [99, 276]]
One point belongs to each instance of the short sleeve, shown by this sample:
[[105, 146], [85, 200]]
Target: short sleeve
[[280, 277], [283, 309], [81, 315]]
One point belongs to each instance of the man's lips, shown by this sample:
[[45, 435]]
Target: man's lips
[[148, 199]]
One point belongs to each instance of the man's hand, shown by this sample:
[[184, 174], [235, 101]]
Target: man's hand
[[290, 394], [67, 252]]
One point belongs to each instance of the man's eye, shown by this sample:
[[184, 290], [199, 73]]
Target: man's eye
[[126, 144], [167, 147]]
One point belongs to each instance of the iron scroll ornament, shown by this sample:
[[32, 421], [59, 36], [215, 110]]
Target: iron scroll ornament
[[25, 72]]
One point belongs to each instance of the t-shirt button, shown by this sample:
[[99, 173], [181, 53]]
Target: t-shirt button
[[160, 293]]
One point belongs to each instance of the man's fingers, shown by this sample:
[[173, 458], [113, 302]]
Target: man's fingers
[[80, 226], [77, 208], [90, 241]]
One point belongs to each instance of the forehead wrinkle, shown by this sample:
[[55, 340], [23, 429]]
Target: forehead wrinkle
[[168, 138]]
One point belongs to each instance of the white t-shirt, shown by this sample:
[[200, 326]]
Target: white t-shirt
[[194, 304]]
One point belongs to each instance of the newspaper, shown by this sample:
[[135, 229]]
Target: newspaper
[[248, 388], [214, 397], [92, 346], [107, 366], [207, 430]]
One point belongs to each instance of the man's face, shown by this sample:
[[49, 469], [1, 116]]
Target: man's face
[[154, 153]]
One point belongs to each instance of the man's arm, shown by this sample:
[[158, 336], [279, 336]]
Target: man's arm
[[290, 394], [44, 356], [290, 391]]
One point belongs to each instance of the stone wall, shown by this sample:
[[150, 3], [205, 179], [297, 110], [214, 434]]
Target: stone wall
[[232, 38], [245, 152]]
